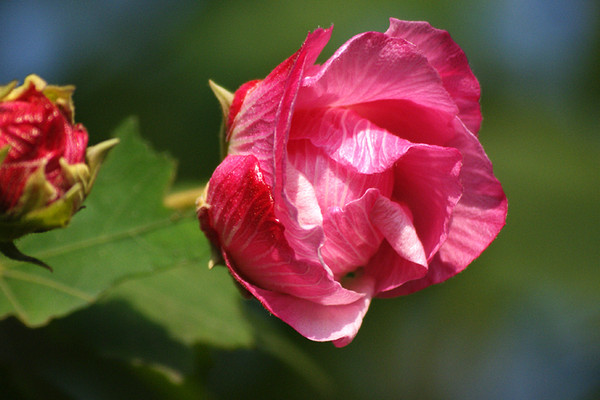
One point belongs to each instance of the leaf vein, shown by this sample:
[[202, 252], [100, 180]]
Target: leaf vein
[[12, 299], [109, 237]]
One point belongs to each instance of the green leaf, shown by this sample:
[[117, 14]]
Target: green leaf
[[194, 304], [123, 230]]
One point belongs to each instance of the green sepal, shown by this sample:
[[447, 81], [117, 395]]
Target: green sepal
[[31, 216], [4, 152], [94, 157], [38, 192], [56, 215], [11, 251], [6, 89], [225, 98]]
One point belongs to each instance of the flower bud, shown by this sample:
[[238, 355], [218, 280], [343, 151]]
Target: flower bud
[[46, 169]]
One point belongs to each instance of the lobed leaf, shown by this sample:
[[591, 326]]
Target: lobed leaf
[[123, 230]]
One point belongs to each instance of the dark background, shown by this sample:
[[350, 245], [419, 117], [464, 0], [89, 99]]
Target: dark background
[[523, 321]]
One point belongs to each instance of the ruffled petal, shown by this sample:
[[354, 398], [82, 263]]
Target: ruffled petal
[[373, 66], [409, 121], [450, 62], [349, 139], [239, 216], [350, 237], [427, 181], [394, 221], [354, 234], [476, 219], [267, 105], [334, 184], [76, 145], [337, 323], [261, 128], [390, 270]]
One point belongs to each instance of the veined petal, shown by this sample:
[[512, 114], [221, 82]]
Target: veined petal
[[390, 270], [239, 215], [394, 221], [409, 121], [267, 105], [349, 139], [305, 240], [476, 219], [350, 237], [76, 145], [374, 66], [449, 61], [337, 323], [238, 99], [14, 177], [334, 184], [261, 128], [427, 181], [300, 192]]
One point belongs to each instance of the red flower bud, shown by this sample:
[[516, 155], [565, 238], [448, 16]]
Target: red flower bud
[[45, 169]]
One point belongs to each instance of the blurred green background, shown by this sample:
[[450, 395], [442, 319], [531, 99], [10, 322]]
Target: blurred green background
[[523, 321]]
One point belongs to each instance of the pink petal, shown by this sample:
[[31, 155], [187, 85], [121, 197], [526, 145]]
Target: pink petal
[[338, 323], [450, 62], [427, 181], [238, 99], [261, 128], [349, 139], [304, 240], [239, 216], [334, 184], [409, 121], [300, 192], [395, 223], [267, 105], [14, 177], [390, 270], [373, 66], [350, 237], [354, 234], [476, 219], [76, 145]]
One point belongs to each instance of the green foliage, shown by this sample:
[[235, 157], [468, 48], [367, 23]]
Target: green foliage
[[125, 231], [131, 299], [194, 304], [122, 231]]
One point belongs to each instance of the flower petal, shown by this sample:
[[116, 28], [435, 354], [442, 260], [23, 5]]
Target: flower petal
[[395, 223], [350, 237], [354, 235], [334, 184], [476, 219], [14, 176], [427, 181], [267, 105], [349, 139], [239, 216], [337, 323], [261, 128], [390, 270], [409, 121], [450, 62], [373, 66]]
